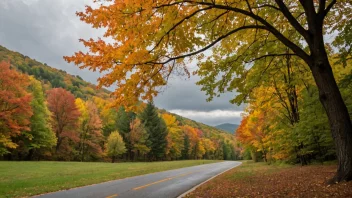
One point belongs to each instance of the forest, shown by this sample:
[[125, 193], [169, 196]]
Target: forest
[[289, 61], [284, 119], [47, 114]]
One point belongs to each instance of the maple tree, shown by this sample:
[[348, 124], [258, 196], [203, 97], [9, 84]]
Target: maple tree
[[153, 39], [174, 137], [108, 115], [64, 114], [15, 108], [90, 130]]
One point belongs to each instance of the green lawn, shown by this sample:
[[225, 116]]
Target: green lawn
[[18, 179]]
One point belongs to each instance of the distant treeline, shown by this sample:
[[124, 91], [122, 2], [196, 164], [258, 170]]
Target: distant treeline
[[46, 114]]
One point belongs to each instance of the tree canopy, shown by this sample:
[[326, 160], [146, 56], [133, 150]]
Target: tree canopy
[[152, 40]]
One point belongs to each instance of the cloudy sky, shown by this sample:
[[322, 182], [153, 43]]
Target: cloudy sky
[[46, 30]]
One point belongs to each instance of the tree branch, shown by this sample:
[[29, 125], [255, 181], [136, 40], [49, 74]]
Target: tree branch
[[291, 19], [270, 55], [327, 10], [296, 49], [322, 4], [179, 23], [266, 5], [210, 45]]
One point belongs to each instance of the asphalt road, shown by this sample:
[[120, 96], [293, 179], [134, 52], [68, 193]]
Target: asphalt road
[[166, 184]]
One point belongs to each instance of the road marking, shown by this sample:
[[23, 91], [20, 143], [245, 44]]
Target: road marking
[[163, 180], [112, 196], [192, 189]]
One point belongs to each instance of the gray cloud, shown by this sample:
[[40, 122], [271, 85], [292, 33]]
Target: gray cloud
[[47, 30], [214, 117]]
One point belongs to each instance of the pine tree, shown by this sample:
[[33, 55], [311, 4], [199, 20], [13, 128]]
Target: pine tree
[[124, 120], [185, 150], [157, 131], [123, 126]]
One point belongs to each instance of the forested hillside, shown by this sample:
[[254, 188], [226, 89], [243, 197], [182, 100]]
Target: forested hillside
[[51, 77], [63, 117]]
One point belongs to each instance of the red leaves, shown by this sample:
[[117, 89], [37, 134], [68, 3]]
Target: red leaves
[[260, 180], [65, 114], [15, 109]]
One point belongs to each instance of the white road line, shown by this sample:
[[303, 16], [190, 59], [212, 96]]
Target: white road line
[[195, 187]]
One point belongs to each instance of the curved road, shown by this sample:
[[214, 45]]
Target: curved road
[[164, 184]]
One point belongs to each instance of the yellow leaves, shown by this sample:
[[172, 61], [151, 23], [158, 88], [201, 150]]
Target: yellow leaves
[[208, 145], [81, 105], [174, 137]]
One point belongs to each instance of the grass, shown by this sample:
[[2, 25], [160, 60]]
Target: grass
[[249, 168], [18, 179]]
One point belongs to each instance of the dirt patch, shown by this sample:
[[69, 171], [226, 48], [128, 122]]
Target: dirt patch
[[261, 180]]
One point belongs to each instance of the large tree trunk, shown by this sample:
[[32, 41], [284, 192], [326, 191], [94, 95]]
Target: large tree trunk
[[336, 110], [329, 93]]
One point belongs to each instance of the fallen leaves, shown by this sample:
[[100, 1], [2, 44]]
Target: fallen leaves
[[261, 180]]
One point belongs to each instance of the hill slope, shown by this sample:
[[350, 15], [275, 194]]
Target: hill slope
[[53, 78], [231, 128]]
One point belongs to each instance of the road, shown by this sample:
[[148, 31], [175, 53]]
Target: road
[[166, 184]]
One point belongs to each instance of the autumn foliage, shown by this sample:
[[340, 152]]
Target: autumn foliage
[[15, 109], [146, 42], [50, 119], [65, 116]]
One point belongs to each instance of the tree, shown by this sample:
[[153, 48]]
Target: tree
[[193, 136], [41, 134], [138, 137], [107, 114], [123, 126], [152, 39], [174, 137], [90, 130], [186, 147], [15, 108], [64, 114], [209, 147], [157, 131], [115, 146]]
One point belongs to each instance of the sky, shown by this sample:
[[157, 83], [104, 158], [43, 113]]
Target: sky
[[47, 30]]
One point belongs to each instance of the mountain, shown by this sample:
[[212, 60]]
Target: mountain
[[231, 128], [54, 78]]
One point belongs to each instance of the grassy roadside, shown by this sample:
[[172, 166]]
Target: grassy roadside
[[18, 179], [262, 180]]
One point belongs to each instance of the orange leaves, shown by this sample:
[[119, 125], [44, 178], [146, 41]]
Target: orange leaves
[[65, 114], [145, 35], [15, 109]]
